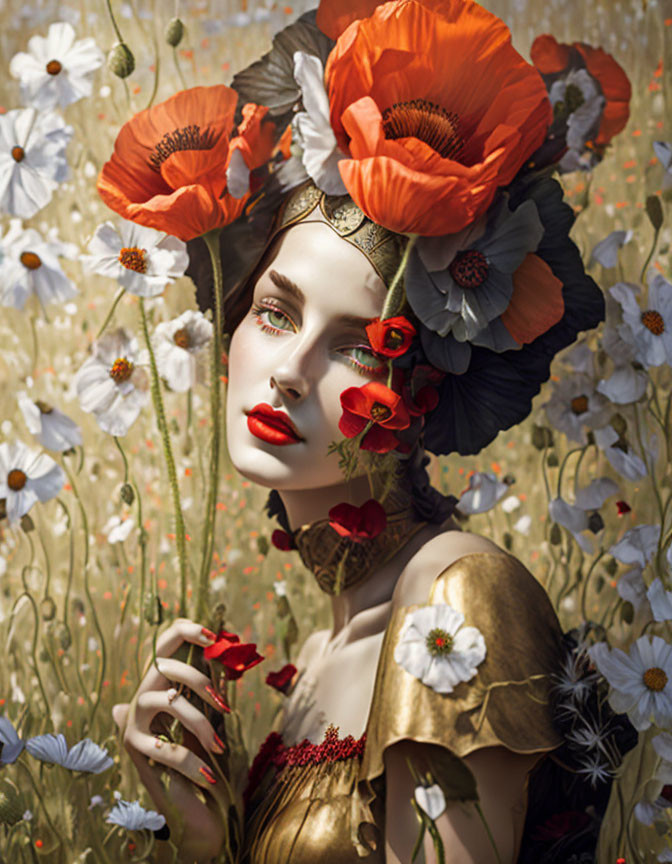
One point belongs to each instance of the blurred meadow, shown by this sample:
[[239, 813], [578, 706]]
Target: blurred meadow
[[78, 613]]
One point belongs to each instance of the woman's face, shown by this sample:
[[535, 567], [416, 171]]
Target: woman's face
[[302, 343]]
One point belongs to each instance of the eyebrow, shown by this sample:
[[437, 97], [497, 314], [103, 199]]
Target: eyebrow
[[284, 282]]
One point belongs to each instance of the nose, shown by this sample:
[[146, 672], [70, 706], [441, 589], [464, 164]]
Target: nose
[[299, 367], [289, 390]]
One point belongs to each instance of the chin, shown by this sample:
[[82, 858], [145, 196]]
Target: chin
[[277, 468]]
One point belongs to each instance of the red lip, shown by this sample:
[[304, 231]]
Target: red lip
[[272, 426]]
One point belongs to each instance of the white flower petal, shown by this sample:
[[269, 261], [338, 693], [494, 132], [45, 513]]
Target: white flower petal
[[431, 799]]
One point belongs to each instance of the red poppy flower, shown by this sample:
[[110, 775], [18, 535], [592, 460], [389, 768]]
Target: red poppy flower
[[170, 162], [236, 656], [623, 507], [282, 679], [436, 110], [376, 403], [358, 523], [282, 540], [425, 400], [391, 337]]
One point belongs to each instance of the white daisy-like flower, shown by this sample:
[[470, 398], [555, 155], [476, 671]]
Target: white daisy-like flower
[[637, 546], [483, 493], [134, 817], [176, 346], [32, 159], [12, 745], [118, 530], [631, 587], [596, 770], [649, 329], [434, 647], [575, 405], [663, 150], [624, 386], [620, 454], [584, 103], [431, 799], [84, 756], [53, 429], [581, 358], [606, 251], [574, 682], [56, 70], [660, 600], [111, 385], [576, 518], [640, 681], [523, 525], [142, 260], [613, 343], [27, 476], [312, 127]]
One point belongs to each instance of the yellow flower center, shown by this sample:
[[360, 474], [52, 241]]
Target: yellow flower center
[[653, 321], [54, 67], [18, 153], [439, 642], [30, 260], [379, 412], [16, 479], [44, 408], [133, 258], [121, 370], [186, 138], [438, 128], [655, 679], [181, 338], [579, 404]]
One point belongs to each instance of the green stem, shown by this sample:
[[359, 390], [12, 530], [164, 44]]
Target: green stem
[[584, 589], [114, 21], [396, 294], [109, 315], [157, 61], [650, 255], [170, 461], [178, 68], [212, 242], [38, 794], [71, 564], [488, 831]]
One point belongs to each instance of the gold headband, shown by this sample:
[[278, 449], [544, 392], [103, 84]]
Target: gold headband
[[382, 248]]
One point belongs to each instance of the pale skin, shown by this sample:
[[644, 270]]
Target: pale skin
[[300, 366]]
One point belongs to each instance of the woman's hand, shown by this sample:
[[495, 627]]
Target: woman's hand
[[173, 774]]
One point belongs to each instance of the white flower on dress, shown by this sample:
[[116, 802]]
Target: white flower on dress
[[27, 476], [641, 681], [431, 799], [118, 530], [606, 251], [483, 493], [56, 70], [637, 546], [32, 160], [660, 600], [142, 260], [84, 756], [111, 385], [649, 329], [434, 647], [12, 745], [132, 816], [576, 518], [30, 266], [53, 429], [574, 405], [312, 127], [176, 344]]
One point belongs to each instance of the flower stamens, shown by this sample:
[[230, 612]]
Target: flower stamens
[[186, 138], [30, 260], [16, 479], [655, 679], [380, 412], [653, 321], [579, 404], [439, 642], [121, 370], [44, 408], [438, 128], [133, 258], [18, 153], [54, 67], [181, 338], [469, 269]]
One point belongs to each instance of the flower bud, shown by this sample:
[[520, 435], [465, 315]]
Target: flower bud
[[595, 523], [174, 32], [62, 633], [552, 460], [47, 609], [542, 437], [153, 609], [556, 535], [27, 523], [611, 566], [120, 60], [12, 805], [508, 541], [127, 494], [263, 545], [619, 424]]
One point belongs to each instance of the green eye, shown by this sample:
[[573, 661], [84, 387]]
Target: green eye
[[278, 319], [366, 358], [365, 361]]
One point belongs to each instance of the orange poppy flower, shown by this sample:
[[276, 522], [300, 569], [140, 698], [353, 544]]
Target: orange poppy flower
[[536, 303], [169, 166], [436, 109]]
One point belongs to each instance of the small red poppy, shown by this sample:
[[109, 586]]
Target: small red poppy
[[236, 656], [376, 403], [391, 337], [282, 679], [282, 540], [358, 523], [623, 507]]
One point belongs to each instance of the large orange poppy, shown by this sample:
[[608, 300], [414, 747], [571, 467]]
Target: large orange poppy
[[168, 169], [436, 109]]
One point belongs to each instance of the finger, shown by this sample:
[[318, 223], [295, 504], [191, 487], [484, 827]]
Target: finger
[[167, 672], [156, 701], [120, 714], [172, 755], [183, 630]]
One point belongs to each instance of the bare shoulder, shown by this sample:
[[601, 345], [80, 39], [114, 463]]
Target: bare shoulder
[[311, 647], [432, 559]]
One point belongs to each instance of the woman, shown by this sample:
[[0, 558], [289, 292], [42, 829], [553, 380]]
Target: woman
[[353, 348]]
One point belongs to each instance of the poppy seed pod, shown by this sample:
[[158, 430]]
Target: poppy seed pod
[[174, 32], [12, 805], [121, 61], [127, 494]]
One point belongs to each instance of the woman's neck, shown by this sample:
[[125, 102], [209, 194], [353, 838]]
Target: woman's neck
[[309, 505]]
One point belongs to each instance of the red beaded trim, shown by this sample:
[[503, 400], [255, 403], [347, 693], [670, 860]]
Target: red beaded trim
[[332, 749]]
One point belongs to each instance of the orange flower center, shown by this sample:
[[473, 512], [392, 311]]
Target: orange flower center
[[394, 338], [655, 679], [439, 642], [18, 153], [16, 480], [121, 370], [54, 67], [380, 412], [30, 260], [653, 321], [181, 338], [469, 269], [44, 408], [133, 258], [579, 404], [438, 128], [186, 138]]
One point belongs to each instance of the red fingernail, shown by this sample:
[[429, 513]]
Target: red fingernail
[[217, 698], [208, 634], [207, 773], [219, 741]]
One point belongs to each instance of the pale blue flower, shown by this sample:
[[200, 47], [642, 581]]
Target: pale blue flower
[[134, 817], [84, 756], [12, 745]]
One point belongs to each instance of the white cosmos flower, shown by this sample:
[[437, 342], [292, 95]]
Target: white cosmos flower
[[30, 265], [663, 150], [84, 756], [118, 530], [56, 70], [637, 546], [575, 405], [648, 329], [483, 493], [312, 127], [431, 799], [141, 259], [12, 745], [606, 251], [134, 817], [32, 160], [27, 476], [111, 384], [434, 647], [53, 429], [624, 386], [660, 600], [176, 345], [576, 517], [620, 454], [631, 587], [641, 681]]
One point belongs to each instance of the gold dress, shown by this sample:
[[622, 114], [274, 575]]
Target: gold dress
[[326, 802]]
